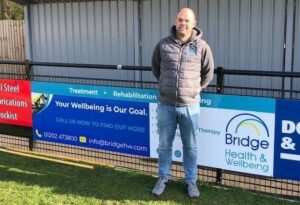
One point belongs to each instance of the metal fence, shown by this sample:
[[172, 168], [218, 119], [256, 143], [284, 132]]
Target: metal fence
[[16, 137]]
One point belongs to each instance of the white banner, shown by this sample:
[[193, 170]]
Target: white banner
[[236, 133]]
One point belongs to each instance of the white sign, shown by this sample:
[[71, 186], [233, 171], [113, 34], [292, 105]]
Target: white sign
[[236, 133]]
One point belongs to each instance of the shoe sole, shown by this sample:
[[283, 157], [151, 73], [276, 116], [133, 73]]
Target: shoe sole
[[193, 197]]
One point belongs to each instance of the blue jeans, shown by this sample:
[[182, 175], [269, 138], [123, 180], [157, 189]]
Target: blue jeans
[[187, 118]]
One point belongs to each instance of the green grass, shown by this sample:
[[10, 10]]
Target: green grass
[[30, 181]]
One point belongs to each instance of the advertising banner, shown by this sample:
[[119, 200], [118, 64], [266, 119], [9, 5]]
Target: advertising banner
[[236, 133], [15, 102], [109, 118], [287, 150]]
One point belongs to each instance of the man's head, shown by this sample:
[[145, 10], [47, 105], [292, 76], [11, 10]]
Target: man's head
[[185, 22]]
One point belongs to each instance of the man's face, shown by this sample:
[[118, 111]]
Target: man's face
[[185, 22]]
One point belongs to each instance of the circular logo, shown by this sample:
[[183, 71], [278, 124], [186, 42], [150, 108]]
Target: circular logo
[[177, 153]]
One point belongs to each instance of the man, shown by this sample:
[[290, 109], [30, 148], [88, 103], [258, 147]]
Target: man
[[183, 65]]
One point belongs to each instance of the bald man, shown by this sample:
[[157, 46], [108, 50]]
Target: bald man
[[183, 65]]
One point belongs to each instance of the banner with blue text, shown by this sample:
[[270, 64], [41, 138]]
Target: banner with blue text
[[246, 134], [236, 133], [108, 118]]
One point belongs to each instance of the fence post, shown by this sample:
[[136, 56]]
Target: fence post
[[27, 69], [27, 77], [220, 80], [220, 90]]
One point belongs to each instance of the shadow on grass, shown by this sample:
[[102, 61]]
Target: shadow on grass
[[110, 184]]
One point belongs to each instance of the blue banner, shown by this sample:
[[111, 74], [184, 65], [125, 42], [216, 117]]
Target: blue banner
[[234, 102], [287, 140], [106, 118]]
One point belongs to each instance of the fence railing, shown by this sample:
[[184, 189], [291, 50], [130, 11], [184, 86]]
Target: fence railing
[[21, 138]]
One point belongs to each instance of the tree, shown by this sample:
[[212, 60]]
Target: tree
[[11, 10]]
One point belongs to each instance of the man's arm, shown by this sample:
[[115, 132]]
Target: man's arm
[[156, 61], [207, 70]]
